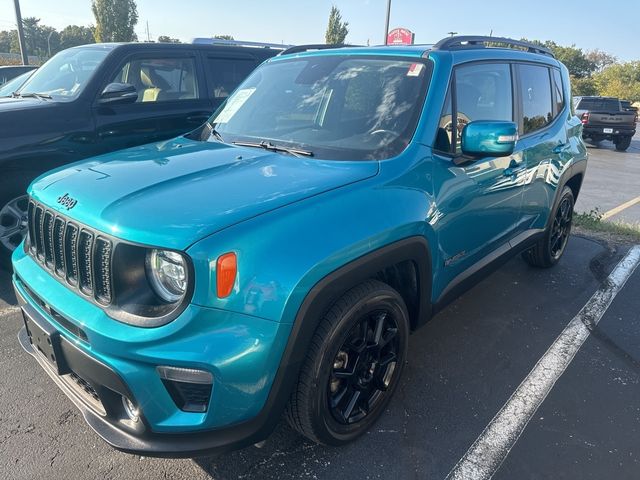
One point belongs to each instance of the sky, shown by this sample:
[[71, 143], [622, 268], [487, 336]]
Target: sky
[[304, 21]]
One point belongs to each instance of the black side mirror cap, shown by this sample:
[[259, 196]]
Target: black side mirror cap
[[117, 93]]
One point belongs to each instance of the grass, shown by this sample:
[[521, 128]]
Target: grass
[[592, 222]]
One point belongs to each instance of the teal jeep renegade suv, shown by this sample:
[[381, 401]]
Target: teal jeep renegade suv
[[188, 294]]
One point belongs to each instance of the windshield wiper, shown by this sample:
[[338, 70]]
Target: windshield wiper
[[34, 95], [276, 148]]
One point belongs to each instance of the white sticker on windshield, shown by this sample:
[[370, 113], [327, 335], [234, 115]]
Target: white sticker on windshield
[[415, 70], [234, 104]]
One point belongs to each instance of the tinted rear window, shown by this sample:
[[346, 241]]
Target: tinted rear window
[[596, 104]]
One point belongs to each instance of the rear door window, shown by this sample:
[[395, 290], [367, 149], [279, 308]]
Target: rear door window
[[536, 97], [225, 74]]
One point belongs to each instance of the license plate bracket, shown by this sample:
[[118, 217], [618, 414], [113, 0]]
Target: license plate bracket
[[607, 130], [45, 340]]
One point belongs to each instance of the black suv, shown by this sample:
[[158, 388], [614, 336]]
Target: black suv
[[98, 98]]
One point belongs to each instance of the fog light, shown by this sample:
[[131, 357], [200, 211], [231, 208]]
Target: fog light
[[130, 409]]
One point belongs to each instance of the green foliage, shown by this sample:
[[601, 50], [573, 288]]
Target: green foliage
[[592, 222], [337, 30], [583, 86], [600, 59], [115, 20], [75, 35], [39, 39], [621, 80], [167, 39], [6, 38]]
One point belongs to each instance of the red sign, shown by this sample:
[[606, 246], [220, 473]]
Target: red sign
[[400, 36]]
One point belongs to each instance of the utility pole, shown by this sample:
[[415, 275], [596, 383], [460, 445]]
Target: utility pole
[[23, 46], [148, 35], [386, 23]]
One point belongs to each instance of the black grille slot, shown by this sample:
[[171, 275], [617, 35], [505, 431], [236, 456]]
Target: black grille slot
[[78, 255], [58, 246], [32, 232], [71, 253], [37, 227], [85, 262], [103, 270], [47, 231]]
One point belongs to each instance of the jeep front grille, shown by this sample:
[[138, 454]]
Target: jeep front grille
[[75, 254]]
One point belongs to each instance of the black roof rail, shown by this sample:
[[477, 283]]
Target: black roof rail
[[313, 46], [463, 41]]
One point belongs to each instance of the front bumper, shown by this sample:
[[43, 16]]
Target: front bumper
[[110, 360]]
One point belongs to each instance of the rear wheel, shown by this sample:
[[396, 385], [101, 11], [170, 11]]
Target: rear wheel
[[549, 249], [13, 216], [353, 365], [622, 143]]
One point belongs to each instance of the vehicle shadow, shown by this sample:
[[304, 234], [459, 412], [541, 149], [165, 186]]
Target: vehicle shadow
[[7, 295]]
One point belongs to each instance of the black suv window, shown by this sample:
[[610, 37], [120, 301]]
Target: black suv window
[[483, 92], [226, 74], [160, 79], [599, 104], [535, 92]]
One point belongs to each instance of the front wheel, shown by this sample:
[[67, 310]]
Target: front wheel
[[549, 249], [353, 365]]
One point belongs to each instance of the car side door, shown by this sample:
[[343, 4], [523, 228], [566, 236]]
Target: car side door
[[477, 200], [544, 113], [170, 100]]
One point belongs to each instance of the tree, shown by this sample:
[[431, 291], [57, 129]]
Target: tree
[[115, 20], [600, 59], [337, 30], [75, 35], [6, 39], [574, 58], [167, 39], [39, 39], [621, 80], [583, 86]]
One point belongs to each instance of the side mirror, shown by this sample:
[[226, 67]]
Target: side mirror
[[489, 138], [117, 93]]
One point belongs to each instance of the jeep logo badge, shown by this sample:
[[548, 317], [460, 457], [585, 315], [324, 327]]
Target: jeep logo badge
[[67, 202]]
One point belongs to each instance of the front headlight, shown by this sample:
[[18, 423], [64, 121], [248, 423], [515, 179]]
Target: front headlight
[[167, 272]]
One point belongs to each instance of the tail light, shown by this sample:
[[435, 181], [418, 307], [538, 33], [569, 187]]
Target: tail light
[[585, 118]]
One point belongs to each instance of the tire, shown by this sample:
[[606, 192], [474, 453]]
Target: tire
[[13, 220], [345, 341], [550, 248], [622, 143]]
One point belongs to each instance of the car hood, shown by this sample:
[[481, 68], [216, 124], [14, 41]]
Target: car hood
[[9, 104], [174, 193]]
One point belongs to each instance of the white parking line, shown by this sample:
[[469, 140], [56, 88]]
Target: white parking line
[[490, 449]]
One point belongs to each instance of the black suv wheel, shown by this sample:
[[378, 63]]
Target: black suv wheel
[[353, 365], [13, 216], [549, 249]]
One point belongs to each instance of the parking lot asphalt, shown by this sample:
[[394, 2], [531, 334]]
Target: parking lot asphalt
[[462, 368], [612, 180]]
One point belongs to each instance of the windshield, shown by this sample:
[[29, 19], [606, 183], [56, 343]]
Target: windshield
[[66, 74], [13, 85], [334, 107]]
